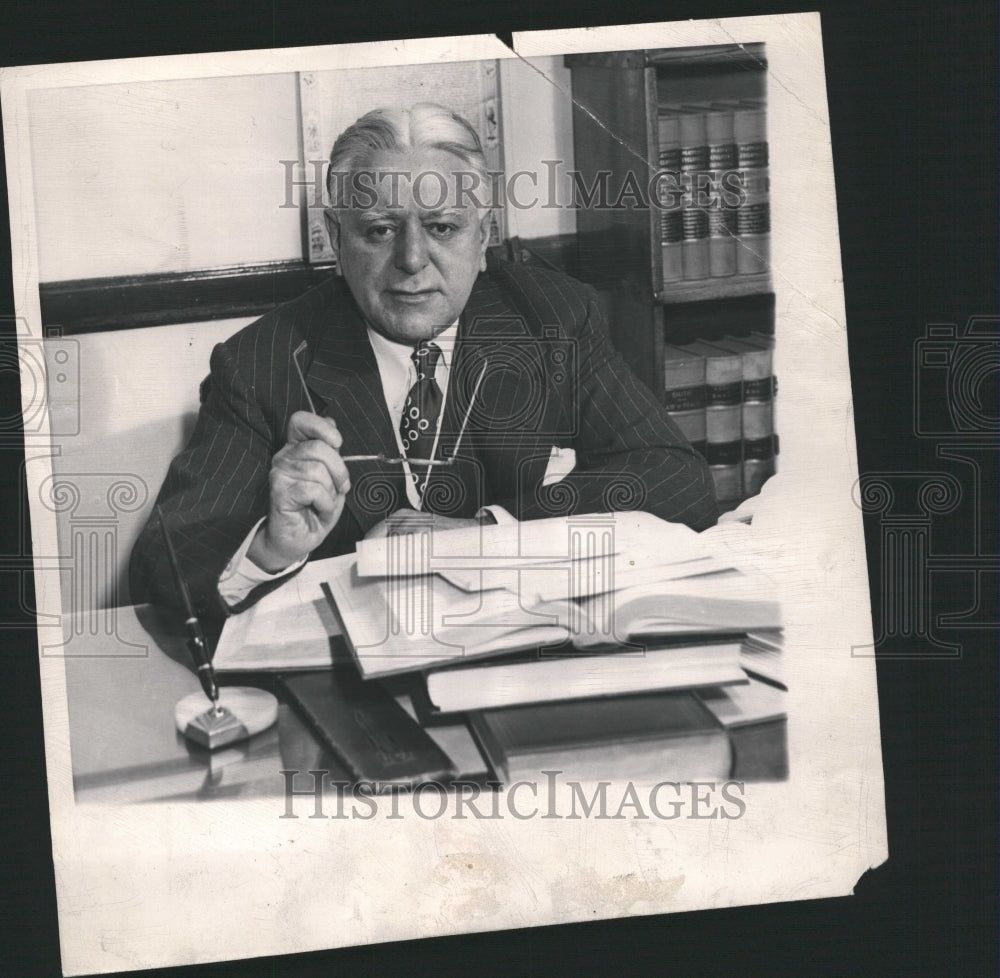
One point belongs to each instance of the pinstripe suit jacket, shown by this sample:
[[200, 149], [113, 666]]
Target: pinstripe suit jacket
[[552, 378]]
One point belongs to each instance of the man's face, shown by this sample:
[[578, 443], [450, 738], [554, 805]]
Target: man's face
[[411, 259]]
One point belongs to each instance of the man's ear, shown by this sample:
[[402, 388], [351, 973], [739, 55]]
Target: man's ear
[[333, 229], [484, 243]]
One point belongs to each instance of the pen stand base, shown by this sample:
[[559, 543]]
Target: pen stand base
[[243, 712]]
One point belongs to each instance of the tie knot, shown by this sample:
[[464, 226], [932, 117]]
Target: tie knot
[[425, 358]]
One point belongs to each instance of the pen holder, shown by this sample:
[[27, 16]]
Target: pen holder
[[242, 712]]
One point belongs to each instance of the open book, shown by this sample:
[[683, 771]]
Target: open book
[[412, 624], [513, 587]]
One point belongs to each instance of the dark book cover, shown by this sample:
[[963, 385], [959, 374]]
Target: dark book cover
[[364, 726], [668, 734]]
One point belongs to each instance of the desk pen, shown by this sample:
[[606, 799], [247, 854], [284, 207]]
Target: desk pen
[[195, 637]]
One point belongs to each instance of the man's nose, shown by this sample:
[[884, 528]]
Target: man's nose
[[411, 250]]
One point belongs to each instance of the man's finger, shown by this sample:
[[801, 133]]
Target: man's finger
[[299, 457], [304, 425], [302, 494]]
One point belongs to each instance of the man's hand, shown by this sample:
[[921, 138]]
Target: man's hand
[[309, 482], [410, 521]]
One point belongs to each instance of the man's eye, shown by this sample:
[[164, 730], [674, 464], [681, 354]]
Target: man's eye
[[441, 230], [379, 232]]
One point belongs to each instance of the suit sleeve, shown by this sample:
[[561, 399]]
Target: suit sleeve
[[630, 453], [214, 492]]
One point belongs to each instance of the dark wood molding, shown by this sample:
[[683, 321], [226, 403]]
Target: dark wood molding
[[131, 301]]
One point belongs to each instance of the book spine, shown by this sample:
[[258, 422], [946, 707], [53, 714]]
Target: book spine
[[488, 745], [670, 210], [753, 216], [722, 211], [694, 164], [757, 428], [723, 419], [758, 420], [685, 394]]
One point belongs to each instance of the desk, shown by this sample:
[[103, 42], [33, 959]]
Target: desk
[[125, 748], [124, 745]]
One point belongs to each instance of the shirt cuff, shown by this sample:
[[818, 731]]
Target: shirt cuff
[[242, 575]]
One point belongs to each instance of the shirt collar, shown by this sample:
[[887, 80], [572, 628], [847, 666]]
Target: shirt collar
[[402, 352]]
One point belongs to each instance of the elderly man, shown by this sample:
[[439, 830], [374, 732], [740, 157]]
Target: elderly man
[[429, 383]]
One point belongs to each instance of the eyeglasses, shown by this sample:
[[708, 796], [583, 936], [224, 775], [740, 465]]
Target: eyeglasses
[[401, 459]]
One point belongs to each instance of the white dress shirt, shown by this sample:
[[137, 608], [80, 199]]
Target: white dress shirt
[[398, 375]]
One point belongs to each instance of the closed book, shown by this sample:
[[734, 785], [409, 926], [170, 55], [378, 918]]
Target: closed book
[[758, 450], [753, 217], [538, 677], [754, 715], [694, 165], [668, 198], [365, 728], [649, 737], [685, 394], [722, 208], [723, 418], [761, 654]]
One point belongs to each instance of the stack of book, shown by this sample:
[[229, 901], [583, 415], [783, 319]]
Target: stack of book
[[715, 213], [721, 394], [591, 661]]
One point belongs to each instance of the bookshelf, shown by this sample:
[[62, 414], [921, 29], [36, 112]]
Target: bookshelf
[[670, 146]]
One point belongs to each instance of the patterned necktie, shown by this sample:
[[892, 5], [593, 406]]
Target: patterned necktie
[[422, 411]]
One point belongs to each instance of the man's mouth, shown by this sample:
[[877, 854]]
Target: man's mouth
[[412, 295]]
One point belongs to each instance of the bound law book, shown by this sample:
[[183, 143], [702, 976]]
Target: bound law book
[[538, 676], [646, 738], [685, 394], [754, 715], [722, 211], [758, 450], [670, 211], [694, 163], [723, 418], [753, 217]]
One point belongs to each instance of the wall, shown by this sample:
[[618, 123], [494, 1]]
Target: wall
[[537, 121], [174, 176], [163, 176]]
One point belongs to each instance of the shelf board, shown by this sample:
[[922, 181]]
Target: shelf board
[[702, 59], [715, 288]]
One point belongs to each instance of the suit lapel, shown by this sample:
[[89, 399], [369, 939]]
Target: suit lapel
[[507, 428], [345, 384]]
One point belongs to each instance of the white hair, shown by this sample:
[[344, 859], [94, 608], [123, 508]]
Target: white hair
[[425, 125]]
